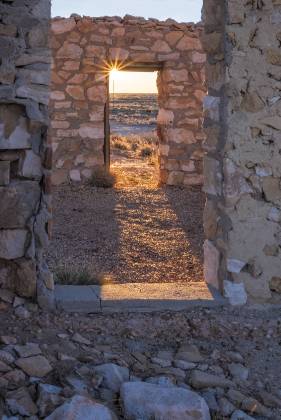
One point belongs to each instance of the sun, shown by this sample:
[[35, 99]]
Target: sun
[[114, 72]]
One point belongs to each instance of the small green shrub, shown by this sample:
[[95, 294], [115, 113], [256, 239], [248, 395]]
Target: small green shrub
[[102, 178]]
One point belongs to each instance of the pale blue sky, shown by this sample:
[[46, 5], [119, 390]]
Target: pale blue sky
[[180, 10]]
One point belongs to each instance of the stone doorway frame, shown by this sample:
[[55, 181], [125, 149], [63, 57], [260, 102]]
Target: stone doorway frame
[[129, 67], [241, 169]]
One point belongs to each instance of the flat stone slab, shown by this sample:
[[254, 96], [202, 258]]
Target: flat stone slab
[[77, 299], [136, 297]]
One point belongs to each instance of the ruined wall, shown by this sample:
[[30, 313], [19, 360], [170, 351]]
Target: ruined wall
[[83, 50], [25, 157], [243, 164]]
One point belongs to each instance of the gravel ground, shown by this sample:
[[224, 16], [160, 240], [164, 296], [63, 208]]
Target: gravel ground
[[226, 338], [142, 233]]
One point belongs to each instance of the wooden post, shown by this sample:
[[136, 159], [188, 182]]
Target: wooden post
[[107, 129]]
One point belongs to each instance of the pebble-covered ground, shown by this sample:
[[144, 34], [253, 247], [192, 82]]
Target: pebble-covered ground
[[228, 357], [134, 232]]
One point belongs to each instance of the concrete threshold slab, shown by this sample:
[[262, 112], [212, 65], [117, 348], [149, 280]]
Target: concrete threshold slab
[[77, 299], [137, 297]]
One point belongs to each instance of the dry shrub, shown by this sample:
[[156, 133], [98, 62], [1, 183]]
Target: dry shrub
[[119, 142], [84, 276], [102, 178], [146, 152]]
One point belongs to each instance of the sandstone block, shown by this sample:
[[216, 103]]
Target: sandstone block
[[35, 92], [12, 243], [26, 278], [31, 166], [161, 47], [76, 92], [170, 75], [181, 135], [165, 117], [57, 95], [118, 54], [97, 93], [70, 50], [17, 138], [211, 264], [4, 173], [18, 203], [61, 26], [173, 37], [212, 176], [189, 43], [272, 189], [91, 131]]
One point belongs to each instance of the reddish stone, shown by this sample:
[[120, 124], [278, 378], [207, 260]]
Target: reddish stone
[[76, 92]]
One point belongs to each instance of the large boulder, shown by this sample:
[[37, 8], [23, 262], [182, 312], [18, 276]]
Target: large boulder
[[147, 401], [79, 408]]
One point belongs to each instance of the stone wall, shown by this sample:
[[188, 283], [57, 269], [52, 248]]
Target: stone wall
[[242, 168], [84, 50], [25, 157], [242, 121]]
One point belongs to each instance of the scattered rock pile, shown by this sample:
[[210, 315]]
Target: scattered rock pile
[[200, 364]]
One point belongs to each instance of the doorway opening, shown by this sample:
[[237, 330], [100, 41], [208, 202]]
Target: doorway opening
[[132, 152]]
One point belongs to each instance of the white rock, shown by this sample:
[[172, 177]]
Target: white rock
[[240, 415], [113, 375], [75, 175], [235, 292], [31, 166], [147, 401], [82, 408], [235, 266], [274, 215], [211, 106]]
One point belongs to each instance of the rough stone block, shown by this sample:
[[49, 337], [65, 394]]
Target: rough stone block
[[211, 264], [12, 243], [18, 203], [4, 173]]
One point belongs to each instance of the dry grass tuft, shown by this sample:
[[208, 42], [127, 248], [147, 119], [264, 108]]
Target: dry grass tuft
[[79, 276], [146, 152], [102, 178]]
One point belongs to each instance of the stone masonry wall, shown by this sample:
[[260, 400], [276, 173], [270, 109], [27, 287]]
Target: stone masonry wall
[[242, 168], [25, 157], [84, 50], [242, 121]]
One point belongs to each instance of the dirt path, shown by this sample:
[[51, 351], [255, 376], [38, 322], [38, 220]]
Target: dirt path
[[139, 233]]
